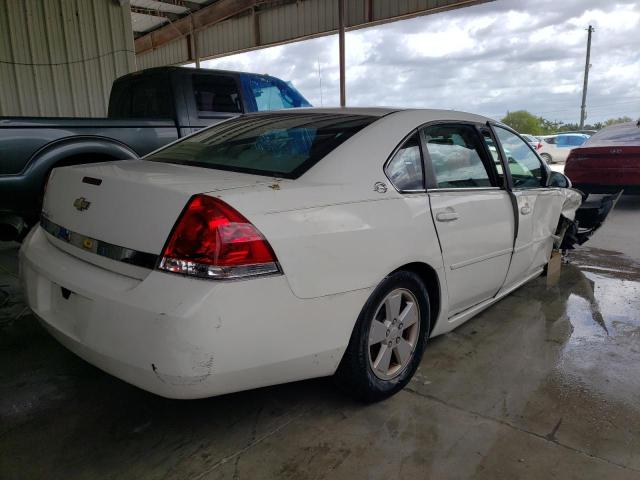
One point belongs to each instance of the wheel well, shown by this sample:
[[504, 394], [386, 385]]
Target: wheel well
[[82, 158], [77, 159], [430, 278]]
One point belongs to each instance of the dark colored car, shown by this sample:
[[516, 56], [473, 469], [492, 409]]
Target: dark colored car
[[608, 162], [147, 110]]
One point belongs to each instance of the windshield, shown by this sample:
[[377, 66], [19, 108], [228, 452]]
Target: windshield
[[270, 93], [280, 145]]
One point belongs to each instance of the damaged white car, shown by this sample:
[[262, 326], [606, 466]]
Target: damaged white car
[[281, 246]]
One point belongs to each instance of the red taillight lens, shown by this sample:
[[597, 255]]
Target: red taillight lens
[[213, 240], [539, 146]]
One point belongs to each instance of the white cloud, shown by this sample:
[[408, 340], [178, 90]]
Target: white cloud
[[491, 58]]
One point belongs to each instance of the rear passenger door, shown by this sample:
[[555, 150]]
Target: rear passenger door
[[471, 211]]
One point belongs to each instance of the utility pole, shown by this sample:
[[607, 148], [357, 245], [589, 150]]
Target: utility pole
[[583, 108], [343, 93]]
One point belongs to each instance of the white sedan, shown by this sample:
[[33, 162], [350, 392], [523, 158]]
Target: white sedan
[[281, 246]]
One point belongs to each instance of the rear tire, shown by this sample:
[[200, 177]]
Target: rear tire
[[547, 158], [388, 341]]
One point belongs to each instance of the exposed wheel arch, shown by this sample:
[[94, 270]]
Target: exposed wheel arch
[[77, 147], [64, 152], [430, 278]]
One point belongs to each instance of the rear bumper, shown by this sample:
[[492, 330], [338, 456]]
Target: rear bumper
[[185, 338], [603, 180]]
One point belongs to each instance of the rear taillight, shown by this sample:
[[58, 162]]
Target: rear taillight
[[539, 146], [213, 240]]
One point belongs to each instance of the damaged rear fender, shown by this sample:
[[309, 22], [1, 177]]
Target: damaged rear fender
[[579, 221]]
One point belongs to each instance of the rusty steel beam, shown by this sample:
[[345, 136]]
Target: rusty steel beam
[[214, 13]]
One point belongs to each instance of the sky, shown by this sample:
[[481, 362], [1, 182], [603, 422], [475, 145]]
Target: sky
[[491, 58]]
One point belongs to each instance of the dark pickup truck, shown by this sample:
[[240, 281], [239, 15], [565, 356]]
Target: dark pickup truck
[[147, 110]]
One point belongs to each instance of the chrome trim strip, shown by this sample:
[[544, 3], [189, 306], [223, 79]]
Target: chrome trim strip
[[104, 249], [463, 189], [489, 256]]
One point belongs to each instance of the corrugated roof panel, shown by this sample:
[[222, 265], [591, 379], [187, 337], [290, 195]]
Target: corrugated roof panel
[[234, 34], [63, 54], [287, 20], [169, 54], [9, 99], [160, 6], [143, 23]]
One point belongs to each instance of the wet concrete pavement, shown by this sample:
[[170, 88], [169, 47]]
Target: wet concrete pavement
[[546, 383]]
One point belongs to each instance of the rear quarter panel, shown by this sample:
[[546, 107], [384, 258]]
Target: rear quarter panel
[[351, 245]]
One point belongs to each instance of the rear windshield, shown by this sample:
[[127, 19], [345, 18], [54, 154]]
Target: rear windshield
[[280, 145], [625, 134]]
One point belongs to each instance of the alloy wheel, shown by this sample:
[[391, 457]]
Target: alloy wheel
[[393, 334]]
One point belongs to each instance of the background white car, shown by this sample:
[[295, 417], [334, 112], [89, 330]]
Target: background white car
[[532, 140], [280, 246], [556, 148]]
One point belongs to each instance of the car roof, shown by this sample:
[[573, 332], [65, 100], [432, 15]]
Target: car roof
[[173, 68], [425, 114]]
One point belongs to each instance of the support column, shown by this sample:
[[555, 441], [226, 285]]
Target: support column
[[341, 21]]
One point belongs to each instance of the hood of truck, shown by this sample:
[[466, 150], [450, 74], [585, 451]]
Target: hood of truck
[[131, 203]]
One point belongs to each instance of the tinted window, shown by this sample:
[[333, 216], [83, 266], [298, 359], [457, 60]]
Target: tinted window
[[216, 93], [271, 93], [405, 168], [273, 145], [147, 96], [456, 156], [524, 165], [550, 140]]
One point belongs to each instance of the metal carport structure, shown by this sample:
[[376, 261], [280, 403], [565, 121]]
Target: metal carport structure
[[59, 57]]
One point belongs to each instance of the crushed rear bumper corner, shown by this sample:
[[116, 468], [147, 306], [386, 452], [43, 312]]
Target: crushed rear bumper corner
[[589, 217]]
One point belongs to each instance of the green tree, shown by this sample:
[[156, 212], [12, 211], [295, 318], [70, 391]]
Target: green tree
[[523, 122], [549, 127], [614, 121]]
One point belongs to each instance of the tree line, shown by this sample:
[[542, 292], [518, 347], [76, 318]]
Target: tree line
[[524, 122]]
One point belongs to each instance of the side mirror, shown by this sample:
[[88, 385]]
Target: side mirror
[[557, 179]]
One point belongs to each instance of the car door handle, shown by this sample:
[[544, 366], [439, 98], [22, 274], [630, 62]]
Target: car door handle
[[525, 210], [447, 216]]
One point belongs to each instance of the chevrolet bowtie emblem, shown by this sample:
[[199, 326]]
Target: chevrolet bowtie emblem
[[81, 204]]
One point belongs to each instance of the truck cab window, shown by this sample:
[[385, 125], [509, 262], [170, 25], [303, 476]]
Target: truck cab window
[[216, 93], [144, 97]]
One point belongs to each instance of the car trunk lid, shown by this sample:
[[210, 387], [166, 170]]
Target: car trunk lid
[[606, 157], [131, 205]]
